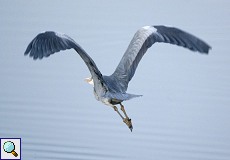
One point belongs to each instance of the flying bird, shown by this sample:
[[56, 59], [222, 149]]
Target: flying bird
[[111, 90]]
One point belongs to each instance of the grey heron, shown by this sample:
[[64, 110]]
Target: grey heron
[[111, 90]]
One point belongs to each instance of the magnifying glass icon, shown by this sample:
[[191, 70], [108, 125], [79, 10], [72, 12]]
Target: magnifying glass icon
[[9, 147]]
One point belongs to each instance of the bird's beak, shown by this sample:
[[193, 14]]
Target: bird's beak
[[89, 80]]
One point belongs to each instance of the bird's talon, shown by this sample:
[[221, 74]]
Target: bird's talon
[[128, 122]]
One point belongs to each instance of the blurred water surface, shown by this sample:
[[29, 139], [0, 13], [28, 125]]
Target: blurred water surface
[[184, 113]]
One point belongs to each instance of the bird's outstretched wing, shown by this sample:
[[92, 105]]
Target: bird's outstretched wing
[[145, 38], [49, 42]]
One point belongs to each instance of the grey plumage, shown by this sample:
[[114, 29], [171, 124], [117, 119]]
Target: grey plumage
[[47, 43], [145, 38], [112, 89]]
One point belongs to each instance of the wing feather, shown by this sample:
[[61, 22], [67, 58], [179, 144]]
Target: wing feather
[[49, 42], [145, 38]]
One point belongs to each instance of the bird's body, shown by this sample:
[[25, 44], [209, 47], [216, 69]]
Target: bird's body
[[111, 90]]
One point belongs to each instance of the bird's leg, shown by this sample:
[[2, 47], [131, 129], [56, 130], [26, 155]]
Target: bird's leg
[[123, 110], [126, 120], [115, 109]]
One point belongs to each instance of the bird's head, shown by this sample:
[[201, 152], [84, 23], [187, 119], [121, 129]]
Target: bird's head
[[89, 80]]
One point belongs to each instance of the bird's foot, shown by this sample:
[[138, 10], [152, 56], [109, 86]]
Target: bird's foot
[[128, 122]]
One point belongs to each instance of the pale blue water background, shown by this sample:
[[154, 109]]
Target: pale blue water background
[[183, 115]]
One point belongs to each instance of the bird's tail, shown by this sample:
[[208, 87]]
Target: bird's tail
[[128, 96], [122, 96]]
